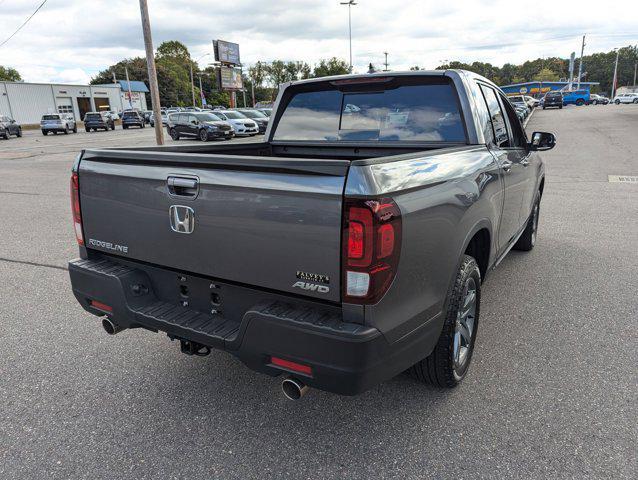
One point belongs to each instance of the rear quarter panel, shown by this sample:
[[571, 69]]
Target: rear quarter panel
[[444, 199]]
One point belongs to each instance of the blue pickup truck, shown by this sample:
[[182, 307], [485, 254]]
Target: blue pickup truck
[[576, 97]]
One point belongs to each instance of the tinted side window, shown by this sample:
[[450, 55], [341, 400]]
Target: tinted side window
[[519, 138], [181, 118], [483, 114], [496, 114], [192, 119]]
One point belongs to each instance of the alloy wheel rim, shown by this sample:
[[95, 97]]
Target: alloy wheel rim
[[465, 324]]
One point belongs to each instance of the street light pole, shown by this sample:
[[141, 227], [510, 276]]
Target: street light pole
[[350, 3], [152, 73]]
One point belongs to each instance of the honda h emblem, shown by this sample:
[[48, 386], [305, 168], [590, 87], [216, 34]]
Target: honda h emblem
[[182, 219]]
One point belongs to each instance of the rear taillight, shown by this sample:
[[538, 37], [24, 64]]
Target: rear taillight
[[371, 247], [75, 208]]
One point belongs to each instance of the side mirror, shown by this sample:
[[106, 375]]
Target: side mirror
[[542, 141]]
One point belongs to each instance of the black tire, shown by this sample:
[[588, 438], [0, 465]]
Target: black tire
[[203, 135], [174, 135], [124, 127], [635, 100], [66, 130], [45, 133], [528, 239], [440, 368], [595, 102], [87, 130], [560, 107], [617, 102], [75, 128]]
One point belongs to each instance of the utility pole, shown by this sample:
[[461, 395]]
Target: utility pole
[[635, 71], [252, 87], [613, 84], [201, 90], [580, 64], [152, 73], [350, 4], [190, 62], [128, 84], [386, 61]]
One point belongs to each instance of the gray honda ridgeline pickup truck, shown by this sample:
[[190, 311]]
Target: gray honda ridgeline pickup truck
[[346, 247]]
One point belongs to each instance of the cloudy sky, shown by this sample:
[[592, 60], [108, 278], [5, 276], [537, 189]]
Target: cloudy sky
[[71, 40]]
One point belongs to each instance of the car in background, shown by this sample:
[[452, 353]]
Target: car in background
[[553, 99], [595, 99], [265, 111], [8, 127], [242, 125], [202, 125], [132, 118], [98, 121], [520, 100], [576, 97], [164, 115], [147, 115], [112, 114], [259, 118], [531, 101], [58, 122], [626, 98], [603, 99]]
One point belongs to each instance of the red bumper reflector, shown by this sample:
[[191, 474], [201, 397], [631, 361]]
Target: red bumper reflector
[[101, 306], [288, 365]]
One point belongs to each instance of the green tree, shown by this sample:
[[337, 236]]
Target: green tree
[[8, 74], [332, 66], [546, 75]]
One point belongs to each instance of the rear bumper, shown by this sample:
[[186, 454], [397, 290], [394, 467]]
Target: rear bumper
[[345, 358]]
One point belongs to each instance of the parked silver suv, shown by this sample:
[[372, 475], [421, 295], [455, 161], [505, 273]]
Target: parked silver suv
[[58, 122]]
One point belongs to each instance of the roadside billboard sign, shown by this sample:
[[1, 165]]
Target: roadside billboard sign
[[226, 52], [230, 79]]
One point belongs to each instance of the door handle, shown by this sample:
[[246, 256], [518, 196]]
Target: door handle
[[183, 186], [506, 166]]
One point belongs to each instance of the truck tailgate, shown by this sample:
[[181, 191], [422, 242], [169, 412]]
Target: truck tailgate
[[265, 222]]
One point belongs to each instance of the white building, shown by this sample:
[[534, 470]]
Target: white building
[[27, 102]]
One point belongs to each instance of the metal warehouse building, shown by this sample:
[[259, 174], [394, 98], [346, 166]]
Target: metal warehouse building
[[27, 102]]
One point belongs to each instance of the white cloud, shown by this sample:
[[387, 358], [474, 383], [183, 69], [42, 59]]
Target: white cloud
[[72, 40]]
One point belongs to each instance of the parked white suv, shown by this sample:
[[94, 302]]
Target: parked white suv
[[626, 98], [242, 125], [58, 122]]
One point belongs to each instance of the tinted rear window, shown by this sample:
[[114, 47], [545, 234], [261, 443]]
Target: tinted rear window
[[51, 117], [93, 116], [129, 115], [419, 112]]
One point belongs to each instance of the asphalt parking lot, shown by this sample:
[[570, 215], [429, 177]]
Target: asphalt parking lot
[[552, 391]]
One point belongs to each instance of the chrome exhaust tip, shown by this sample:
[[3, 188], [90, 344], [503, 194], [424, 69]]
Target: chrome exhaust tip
[[293, 388], [110, 327]]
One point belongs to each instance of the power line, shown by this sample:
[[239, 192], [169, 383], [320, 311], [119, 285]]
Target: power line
[[25, 22]]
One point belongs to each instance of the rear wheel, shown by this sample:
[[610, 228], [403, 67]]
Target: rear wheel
[[44, 132], [19, 134], [66, 130], [635, 100], [448, 363], [528, 239], [203, 135], [617, 102], [75, 128], [174, 135]]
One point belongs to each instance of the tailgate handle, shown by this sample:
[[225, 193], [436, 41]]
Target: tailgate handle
[[182, 186]]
